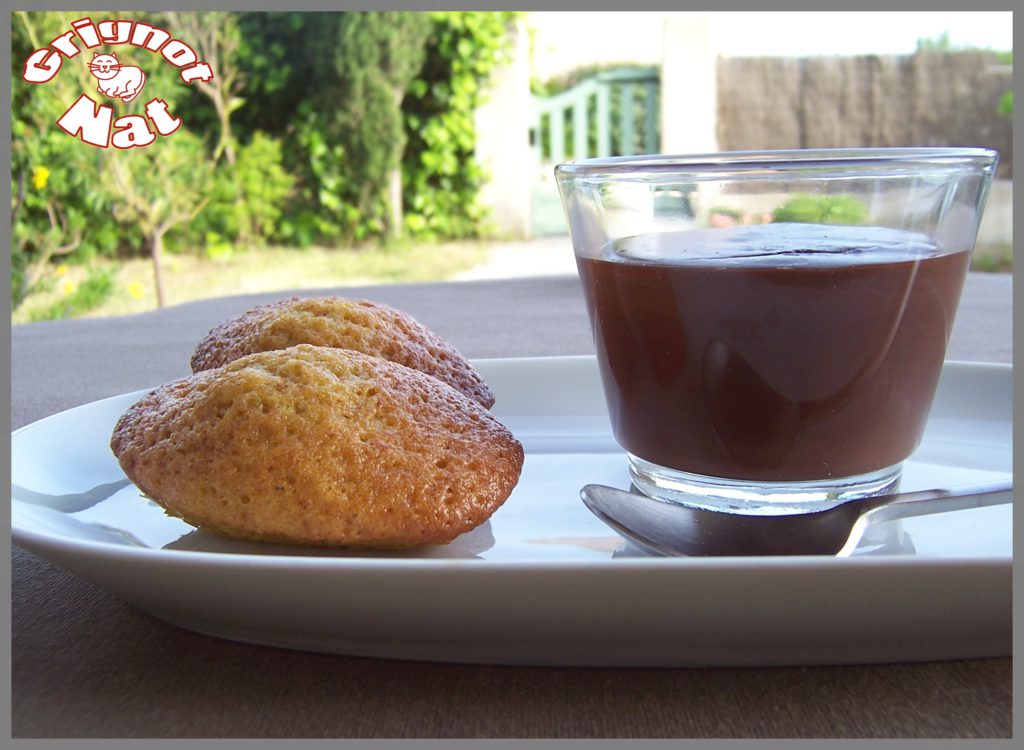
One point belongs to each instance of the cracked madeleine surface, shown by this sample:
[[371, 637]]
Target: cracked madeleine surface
[[319, 446], [360, 325]]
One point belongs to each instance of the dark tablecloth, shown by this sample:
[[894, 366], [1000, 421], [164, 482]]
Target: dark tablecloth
[[86, 664]]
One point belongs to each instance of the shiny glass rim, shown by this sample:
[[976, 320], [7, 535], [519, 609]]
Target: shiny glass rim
[[775, 162]]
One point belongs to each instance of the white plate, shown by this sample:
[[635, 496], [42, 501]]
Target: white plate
[[544, 582]]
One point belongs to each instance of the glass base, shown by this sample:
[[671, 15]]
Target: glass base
[[757, 498]]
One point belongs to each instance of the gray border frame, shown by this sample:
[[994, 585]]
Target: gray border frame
[[537, 5]]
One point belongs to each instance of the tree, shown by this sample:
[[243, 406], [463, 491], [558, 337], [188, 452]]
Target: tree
[[368, 61], [289, 60], [215, 36], [442, 174], [160, 189], [54, 193], [251, 187], [82, 197], [351, 126]]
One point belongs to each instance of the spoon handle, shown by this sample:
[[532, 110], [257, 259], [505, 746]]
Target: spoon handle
[[926, 502]]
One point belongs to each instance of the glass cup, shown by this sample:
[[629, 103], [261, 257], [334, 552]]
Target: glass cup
[[771, 326]]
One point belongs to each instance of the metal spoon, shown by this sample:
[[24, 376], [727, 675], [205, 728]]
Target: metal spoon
[[669, 528]]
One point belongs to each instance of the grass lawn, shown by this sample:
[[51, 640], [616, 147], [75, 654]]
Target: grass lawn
[[993, 258], [187, 277]]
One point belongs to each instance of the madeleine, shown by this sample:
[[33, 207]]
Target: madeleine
[[337, 322], [319, 446]]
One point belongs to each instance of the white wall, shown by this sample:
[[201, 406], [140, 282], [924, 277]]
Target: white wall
[[566, 40], [502, 146], [689, 84], [683, 44]]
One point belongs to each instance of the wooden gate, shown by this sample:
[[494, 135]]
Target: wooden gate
[[613, 113]]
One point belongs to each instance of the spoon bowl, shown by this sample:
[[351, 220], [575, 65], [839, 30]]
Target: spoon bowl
[[670, 528]]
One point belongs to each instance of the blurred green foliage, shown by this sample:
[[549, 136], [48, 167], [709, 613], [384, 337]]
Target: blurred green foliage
[[92, 292], [321, 111], [1006, 101], [336, 140], [822, 209], [364, 63], [441, 178]]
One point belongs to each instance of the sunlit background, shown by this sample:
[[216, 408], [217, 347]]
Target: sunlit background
[[312, 160], [564, 40]]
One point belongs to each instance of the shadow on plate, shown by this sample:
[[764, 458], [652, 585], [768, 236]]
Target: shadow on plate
[[886, 538], [70, 503], [470, 545]]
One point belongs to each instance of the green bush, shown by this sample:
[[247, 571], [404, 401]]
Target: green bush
[[247, 199], [441, 177], [90, 294], [1005, 107], [62, 209], [822, 209], [732, 213], [334, 129], [65, 198], [329, 106]]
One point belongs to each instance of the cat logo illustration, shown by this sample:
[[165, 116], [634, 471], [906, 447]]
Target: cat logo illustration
[[94, 122], [117, 81]]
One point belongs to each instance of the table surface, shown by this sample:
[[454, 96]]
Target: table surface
[[86, 664]]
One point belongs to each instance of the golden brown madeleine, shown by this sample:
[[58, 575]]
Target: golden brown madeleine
[[360, 325], [319, 446]]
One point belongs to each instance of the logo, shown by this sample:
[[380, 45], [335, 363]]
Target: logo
[[94, 123], [117, 81]]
